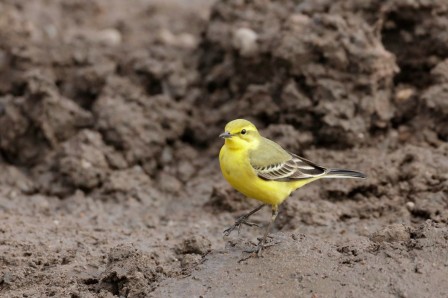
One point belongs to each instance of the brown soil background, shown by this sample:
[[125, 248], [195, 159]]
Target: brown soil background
[[109, 116]]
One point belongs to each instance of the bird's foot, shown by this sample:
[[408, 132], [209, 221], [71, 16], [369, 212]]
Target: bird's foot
[[258, 250], [242, 220]]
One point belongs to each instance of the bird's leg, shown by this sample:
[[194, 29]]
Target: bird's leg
[[243, 220], [262, 243]]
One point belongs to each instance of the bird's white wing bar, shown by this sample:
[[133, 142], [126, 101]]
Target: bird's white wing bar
[[295, 168]]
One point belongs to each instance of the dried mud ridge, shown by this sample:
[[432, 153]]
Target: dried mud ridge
[[109, 116]]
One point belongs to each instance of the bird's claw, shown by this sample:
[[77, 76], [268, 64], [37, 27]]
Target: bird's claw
[[240, 221], [258, 250]]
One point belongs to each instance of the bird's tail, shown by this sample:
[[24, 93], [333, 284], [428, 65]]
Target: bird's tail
[[339, 173]]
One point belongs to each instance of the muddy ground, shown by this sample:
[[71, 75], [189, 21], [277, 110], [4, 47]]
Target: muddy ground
[[109, 117]]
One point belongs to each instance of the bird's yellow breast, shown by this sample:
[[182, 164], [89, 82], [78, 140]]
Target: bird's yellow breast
[[236, 169]]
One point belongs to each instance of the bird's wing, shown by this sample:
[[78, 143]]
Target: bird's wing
[[272, 162]]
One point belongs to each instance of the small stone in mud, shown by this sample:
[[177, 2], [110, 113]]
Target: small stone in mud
[[109, 37], [245, 40], [391, 233], [7, 278], [410, 206]]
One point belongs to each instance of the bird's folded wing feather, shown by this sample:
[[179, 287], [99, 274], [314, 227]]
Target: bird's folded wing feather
[[272, 162]]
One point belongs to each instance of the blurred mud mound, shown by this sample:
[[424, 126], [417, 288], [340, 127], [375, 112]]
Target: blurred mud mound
[[343, 70], [78, 101], [109, 117], [322, 72]]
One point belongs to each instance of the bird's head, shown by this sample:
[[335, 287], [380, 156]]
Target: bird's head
[[240, 134]]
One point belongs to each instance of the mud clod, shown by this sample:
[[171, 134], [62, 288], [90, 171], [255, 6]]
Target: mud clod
[[392, 233], [196, 244]]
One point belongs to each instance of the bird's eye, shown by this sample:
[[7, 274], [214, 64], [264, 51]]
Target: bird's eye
[[243, 132]]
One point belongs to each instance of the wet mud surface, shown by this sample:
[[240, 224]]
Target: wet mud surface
[[109, 117]]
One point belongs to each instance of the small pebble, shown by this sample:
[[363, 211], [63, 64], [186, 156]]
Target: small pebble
[[245, 40], [110, 37], [410, 206]]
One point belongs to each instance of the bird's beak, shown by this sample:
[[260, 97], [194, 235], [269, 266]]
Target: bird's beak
[[225, 135]]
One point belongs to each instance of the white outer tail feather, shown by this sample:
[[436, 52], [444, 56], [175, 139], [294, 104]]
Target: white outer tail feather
[[340, 173]]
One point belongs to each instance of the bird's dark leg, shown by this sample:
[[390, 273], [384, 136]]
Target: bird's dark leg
[[243, 220], [262, 243], [273, 217]]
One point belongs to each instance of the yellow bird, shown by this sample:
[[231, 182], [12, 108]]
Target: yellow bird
[[261, 169]]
